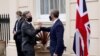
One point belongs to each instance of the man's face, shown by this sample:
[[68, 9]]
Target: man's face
[[29, 17], [51, 17], [17, 16]]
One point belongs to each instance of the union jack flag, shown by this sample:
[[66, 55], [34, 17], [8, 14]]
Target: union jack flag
[[82, 34]]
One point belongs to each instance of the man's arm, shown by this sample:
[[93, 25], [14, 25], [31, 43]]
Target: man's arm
[[29, 31], [37, 31], [14, 27], [46, 29]]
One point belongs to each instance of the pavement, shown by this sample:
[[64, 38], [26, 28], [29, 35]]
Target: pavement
[[2, 48]]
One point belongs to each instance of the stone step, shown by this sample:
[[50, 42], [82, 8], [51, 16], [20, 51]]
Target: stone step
[[41, 51]]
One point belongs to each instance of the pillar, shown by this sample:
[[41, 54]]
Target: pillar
[[67, 30], [11, 48]]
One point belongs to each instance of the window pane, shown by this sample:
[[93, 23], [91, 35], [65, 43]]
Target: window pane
[[44, 6], [56, 4], [47, 5], [62, 6], [51, 4]]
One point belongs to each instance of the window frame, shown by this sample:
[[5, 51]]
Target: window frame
[[45, 17]]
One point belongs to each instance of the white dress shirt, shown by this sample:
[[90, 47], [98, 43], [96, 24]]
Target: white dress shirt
[[54, 21]]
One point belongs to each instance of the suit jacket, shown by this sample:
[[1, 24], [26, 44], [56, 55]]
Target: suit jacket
[[18, 34], [56, 37], [28, 36]]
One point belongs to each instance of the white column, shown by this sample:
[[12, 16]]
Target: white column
[[11, 48], [67, 39], [99, 26], [12, 12], [32, 8]]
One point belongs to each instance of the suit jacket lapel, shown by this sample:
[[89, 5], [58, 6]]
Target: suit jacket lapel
[[54, 25]]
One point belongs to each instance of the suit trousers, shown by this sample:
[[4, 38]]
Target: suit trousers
[[29, 53], [19, 48]]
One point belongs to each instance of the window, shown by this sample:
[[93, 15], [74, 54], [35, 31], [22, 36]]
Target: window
[[43, 7], [47, 5]]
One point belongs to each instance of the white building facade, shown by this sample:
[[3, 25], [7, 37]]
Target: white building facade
[[40, 12]]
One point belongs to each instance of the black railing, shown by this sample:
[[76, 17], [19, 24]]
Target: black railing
[[4, 27]]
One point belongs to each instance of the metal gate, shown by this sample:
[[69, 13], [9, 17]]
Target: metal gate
[[4, 27]]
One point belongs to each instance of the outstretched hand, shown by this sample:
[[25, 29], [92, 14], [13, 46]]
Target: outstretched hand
[[14, 32], [39, 25], [55, 54]]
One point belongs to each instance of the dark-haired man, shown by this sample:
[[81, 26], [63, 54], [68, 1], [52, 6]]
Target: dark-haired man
[[56, 34]]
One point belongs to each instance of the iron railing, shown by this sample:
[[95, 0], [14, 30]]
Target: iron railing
[[4, 27]]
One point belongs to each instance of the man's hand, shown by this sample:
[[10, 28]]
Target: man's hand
[[55, 54], [14, 32], [39, 25]]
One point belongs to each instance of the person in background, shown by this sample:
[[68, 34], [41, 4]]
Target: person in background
[[17, 32]]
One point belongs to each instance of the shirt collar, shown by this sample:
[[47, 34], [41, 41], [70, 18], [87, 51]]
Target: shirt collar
[[18, 18], [28, 22], [55, 21]]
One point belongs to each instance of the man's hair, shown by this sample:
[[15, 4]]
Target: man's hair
[[55, 13], [19, 13], [25, 13]]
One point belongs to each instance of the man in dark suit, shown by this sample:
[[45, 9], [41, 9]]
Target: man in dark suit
[[17, 32], [56, 34], [28, 35]]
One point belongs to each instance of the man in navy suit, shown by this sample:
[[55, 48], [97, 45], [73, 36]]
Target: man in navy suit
[[56, 34]]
